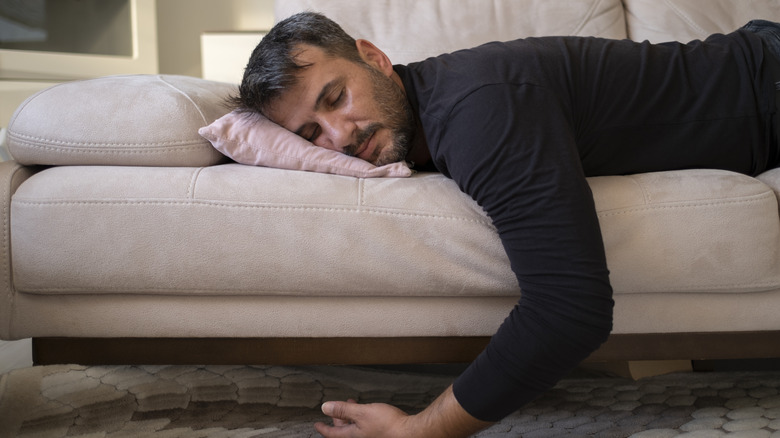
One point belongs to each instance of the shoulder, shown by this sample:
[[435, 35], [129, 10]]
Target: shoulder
[[497, 123]]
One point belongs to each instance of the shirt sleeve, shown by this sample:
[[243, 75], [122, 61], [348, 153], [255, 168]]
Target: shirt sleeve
[[512, 148]]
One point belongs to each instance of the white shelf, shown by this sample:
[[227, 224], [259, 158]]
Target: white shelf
[[224, 55], [13, 93]]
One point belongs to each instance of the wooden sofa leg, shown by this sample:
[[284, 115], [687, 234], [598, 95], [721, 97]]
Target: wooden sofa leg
[[639, 369]]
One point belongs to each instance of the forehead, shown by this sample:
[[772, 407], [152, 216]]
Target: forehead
[[317, 70]]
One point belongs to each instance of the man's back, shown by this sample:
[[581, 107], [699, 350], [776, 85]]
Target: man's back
[[631, 107]]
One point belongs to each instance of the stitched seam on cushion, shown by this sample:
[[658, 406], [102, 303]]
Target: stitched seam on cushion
[[754, 199], [23, 138], [719, 288], [106, 151], [7, 273], [645, 193], [684, 17], [193, 182], [260, 293], [585, 19], [197, 107], [751, 200], [765, 286], [369, 210]]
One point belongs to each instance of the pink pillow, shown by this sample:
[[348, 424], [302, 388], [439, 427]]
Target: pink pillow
[[253, 139]]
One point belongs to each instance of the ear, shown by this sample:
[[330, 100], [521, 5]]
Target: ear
[[374, 57]]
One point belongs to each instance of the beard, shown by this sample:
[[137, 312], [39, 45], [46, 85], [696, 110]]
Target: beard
[[396, 115]]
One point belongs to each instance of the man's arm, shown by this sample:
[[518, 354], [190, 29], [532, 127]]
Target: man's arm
[[513, 148], [444, 418]]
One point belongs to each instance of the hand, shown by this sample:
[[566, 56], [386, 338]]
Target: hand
[[444, 418], [352, 420]]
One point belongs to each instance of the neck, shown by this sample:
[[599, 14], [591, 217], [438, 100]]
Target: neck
[[419, 153]]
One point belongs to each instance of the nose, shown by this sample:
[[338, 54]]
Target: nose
[[337, 131]]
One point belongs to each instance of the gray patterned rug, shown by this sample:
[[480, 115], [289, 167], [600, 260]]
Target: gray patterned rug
[[265, 402]]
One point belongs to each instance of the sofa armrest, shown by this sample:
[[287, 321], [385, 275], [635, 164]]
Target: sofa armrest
[[12, 175], [126, 120]]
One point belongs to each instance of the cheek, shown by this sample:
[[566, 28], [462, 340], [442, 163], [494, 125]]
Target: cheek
[[386, 138], [363, 105]]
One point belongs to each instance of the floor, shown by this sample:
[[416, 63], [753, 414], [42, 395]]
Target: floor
[[273, 401], [15, 354]]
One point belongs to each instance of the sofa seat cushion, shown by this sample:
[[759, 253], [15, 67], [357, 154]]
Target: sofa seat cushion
[[134, 120], [235, 229], [241, 230], [689, 231]]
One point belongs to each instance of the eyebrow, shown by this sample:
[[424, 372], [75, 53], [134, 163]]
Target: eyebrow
[[326, 90]]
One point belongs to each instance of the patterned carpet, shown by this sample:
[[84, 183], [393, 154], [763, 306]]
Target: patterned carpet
[[265, 402]]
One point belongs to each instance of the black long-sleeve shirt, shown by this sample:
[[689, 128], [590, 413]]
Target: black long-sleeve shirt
[[519, 125]]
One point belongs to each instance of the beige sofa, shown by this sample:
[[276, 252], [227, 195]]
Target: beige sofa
[[128, 239]]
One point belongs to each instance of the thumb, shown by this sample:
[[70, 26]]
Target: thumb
[[340, 410]]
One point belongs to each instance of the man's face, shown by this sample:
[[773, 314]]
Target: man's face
[[347, 107]]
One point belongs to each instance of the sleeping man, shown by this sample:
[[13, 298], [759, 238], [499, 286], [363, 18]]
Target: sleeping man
[[519, 126]]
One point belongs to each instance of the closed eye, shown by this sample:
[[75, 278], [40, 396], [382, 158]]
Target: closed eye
[[335, 88], [338, 99], [315, 132], [309, 132]]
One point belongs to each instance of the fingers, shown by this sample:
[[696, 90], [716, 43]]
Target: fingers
[[373, 420], [343, 419], [334, 431]]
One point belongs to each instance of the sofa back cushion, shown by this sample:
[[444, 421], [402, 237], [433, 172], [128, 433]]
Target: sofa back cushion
[[137, 120], [687, 20], [433, 27]]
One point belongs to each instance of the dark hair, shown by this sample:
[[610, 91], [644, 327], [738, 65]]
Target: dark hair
[[273, 66]]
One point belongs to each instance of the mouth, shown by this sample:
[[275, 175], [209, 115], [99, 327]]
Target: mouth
[[365, 151]]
